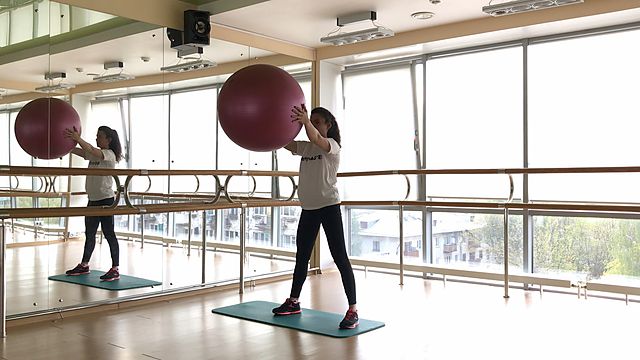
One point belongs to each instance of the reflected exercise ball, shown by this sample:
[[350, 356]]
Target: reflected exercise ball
[[254, 107], [40, 126]]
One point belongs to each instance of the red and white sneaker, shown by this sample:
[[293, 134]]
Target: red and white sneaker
[[350, 320], [110, 275], [78, 270], [289, 307]]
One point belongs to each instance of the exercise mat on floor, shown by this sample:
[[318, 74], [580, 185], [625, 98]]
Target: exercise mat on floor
[[93, 279], [313, 321]]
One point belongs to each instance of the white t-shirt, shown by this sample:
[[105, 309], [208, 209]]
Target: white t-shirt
[[317, 180], [100, 187]]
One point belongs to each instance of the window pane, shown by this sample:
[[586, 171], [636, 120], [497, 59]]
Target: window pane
[[378, 131], [4, 154], [289, 217], [473, 120], [21, 24], [375, 234], [583, 112], [476, 241], [149, 140], [42, 15], [4, 29], [193, 133], [587, 248]]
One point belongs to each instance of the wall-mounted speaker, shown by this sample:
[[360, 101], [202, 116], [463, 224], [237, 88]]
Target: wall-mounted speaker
[[196, 27], [175, 37]]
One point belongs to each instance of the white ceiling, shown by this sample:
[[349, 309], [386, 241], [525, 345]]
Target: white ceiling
[[301, 22], [305, 22]]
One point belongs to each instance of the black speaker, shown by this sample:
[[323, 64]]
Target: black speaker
[[175, 37], [196, 27]]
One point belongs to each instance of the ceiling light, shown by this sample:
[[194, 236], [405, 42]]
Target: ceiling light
[[514, 7], [54, 88], [50, 87], [357, 36], [113, 77], [189, 66], [422, 15], [121, 76], [342, 38]]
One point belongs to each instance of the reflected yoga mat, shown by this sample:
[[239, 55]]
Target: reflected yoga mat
[[313, 321], [93, 279]]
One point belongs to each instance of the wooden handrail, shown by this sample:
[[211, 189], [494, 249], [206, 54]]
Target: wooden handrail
[[58, 171], [141, 209]]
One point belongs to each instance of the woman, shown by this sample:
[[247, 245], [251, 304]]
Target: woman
[[320, 202], [100, 192]]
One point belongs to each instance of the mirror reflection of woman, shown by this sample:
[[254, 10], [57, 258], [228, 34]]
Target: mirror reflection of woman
[[100, 193]]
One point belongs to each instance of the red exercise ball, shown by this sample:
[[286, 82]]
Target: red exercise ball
[[254, 107], [40, 126]]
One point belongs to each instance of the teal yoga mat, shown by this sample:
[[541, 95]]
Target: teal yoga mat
[[313, 321], [93, 279]]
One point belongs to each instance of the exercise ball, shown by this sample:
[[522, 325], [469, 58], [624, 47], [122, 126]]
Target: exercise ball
[[40, 126], [254, 107]]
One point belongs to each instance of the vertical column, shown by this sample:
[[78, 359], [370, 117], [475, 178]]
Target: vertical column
[[401, 245], [189, 235], [204, 243], [242, 249], [3, 282], [506, 252]]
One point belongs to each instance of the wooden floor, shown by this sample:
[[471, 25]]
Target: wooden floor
[[28, 269], [425, 319]]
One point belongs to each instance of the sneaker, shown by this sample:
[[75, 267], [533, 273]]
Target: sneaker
[[110, 275], [350, 320], [287, 308], [78, 270]]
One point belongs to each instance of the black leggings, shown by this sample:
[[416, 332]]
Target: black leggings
[[308, 227], [91, 227]]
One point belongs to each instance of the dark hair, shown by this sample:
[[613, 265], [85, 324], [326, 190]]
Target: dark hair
[[334, 130], [114, 143]]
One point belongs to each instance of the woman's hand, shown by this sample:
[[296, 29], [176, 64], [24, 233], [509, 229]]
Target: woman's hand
[[300, 115], [72, 134]]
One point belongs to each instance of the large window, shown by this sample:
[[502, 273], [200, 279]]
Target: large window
[[378, 131], [583, 112], [474, 120]]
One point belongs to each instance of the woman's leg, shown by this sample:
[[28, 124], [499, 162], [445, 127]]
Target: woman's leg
[[308, 227], [91, 227], [107, 226], [332, 224]]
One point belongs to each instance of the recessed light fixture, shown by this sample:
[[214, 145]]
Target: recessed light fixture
[[422, 15]]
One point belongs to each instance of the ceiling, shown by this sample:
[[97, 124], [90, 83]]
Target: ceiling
[[298, 22]]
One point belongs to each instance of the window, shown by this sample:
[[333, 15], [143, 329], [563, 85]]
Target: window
[[484, 235], [381, 239], [376, 246], [593, 123], [474, 120], [392, 117]]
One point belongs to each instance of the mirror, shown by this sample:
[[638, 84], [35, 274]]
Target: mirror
[[165, 121]]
